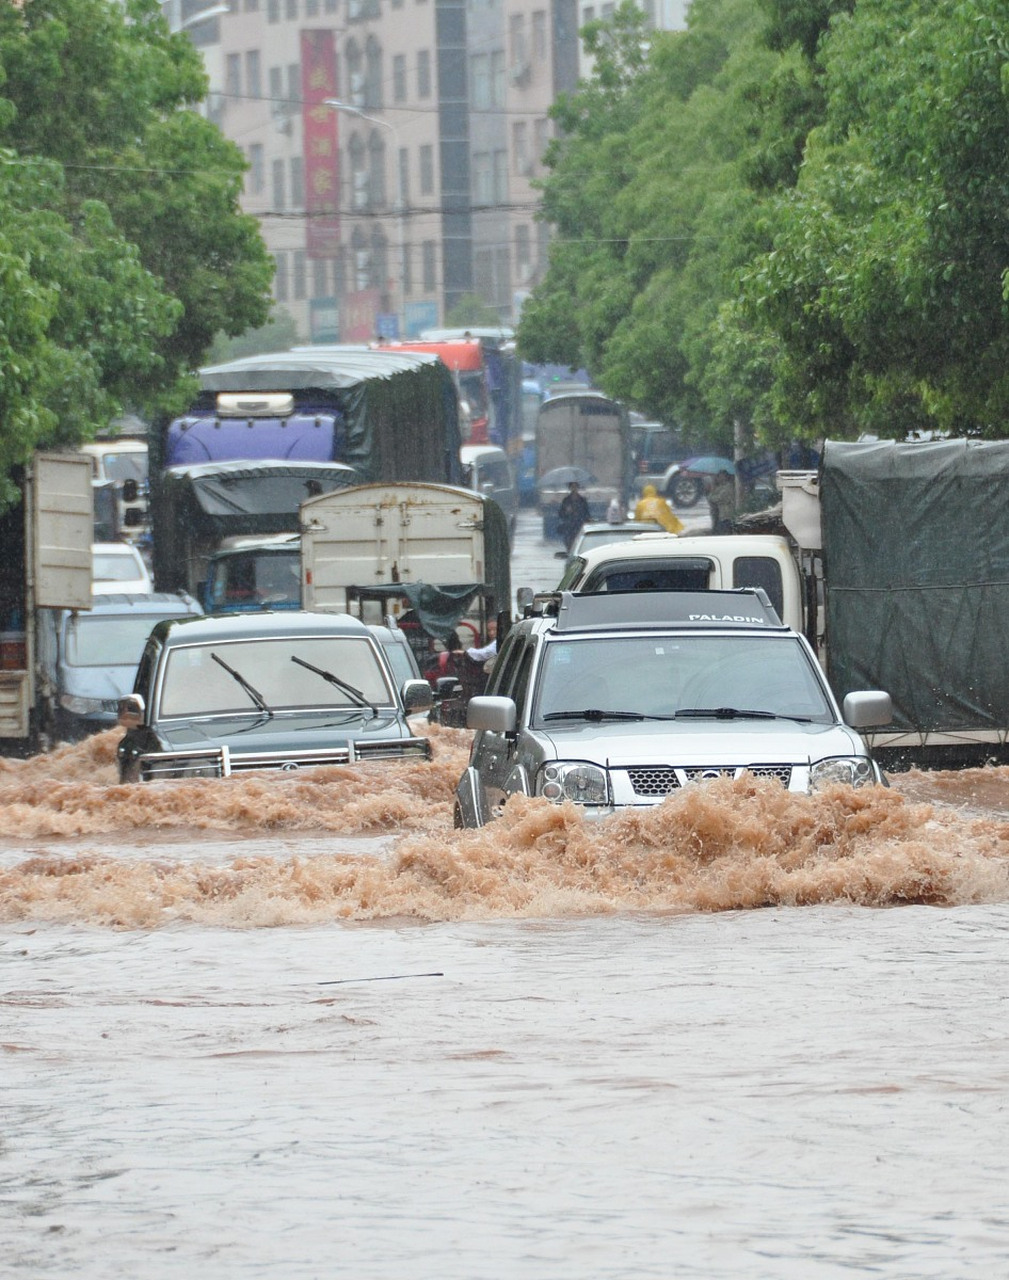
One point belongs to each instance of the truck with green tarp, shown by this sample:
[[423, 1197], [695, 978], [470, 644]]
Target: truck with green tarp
[[907, 546]]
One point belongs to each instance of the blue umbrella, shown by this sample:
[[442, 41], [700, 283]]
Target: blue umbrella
[[708, 466]]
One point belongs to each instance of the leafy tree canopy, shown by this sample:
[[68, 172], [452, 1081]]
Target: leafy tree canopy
[[122, 246], [792, 218]]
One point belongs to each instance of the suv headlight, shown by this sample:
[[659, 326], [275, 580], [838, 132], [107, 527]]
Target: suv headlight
[[856, 771], [573, 780]]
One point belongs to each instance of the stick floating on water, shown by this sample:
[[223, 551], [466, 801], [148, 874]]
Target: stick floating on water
[[385, 977]]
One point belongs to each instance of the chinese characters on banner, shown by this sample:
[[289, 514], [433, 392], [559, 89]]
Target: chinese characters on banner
[[322, 171]]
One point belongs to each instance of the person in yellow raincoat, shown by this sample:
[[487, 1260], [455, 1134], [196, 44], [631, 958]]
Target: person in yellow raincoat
[[651, 506]]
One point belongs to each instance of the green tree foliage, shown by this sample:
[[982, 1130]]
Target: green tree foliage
[[122, 246], [793, 217]]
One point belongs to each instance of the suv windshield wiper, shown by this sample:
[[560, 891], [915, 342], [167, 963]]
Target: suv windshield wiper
[[593, 713], [735, 713], [342, 685], [251, 690]]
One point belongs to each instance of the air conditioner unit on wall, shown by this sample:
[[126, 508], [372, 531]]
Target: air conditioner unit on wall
[[519, 72]]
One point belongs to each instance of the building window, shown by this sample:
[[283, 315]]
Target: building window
[[399, 78], [300, 275], [233, 75], [520, 147], [320, 277], [294, 82], [257, 169], [423, 73], [291, 10], [253, 85], [519, 56], [329, 6], [278, 184], [501, 176], [297, 182], [540, 35], [498, 86], [276, 78], [373, 73], [311, 8], [427, 170], [403, 185], [480, 80], [376, 165], [251, 6], [272, 10], [483, 178], [280, 284], [541, 133], [429, 252]]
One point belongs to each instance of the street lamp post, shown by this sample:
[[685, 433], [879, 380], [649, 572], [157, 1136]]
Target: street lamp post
[[336, 105]]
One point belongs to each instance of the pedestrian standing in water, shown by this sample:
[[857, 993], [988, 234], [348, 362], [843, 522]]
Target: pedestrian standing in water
[[722, 502], [572, 514]]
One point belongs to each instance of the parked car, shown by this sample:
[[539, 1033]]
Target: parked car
[[654, 449], [677, 562], [486, 469], [232, 692], [90, 657], [619, 700], [119, 567]]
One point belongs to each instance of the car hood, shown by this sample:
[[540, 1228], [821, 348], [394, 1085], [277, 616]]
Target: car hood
[[726, 742], [305, 732]]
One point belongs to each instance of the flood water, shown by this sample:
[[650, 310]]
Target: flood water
[[296, 1026]]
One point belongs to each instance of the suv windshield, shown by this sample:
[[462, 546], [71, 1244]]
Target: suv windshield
[[672, 674], [196, 684]]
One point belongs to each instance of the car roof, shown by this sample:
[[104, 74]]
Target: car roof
[[157, 602], [656, 543], [567, 613], [264, 625]]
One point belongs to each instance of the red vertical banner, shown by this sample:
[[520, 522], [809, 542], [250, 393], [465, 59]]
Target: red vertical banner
[[322, 162]]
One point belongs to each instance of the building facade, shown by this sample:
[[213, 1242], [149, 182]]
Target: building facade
[[392, 148]]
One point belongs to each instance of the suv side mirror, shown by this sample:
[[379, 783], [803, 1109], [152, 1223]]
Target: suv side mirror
[[131, 711], [417, 696]]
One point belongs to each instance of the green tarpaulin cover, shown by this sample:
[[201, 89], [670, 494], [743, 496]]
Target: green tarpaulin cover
[[916, 568]]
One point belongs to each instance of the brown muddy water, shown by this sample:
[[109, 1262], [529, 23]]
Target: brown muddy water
[[296, 1026]]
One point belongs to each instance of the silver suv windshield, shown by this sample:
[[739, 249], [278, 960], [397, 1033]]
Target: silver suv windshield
[[195, 683], [681, 676]]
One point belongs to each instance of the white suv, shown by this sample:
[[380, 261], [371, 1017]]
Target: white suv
[[620, 699]]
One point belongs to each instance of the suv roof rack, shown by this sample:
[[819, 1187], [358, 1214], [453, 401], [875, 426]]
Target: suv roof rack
[[745, 607]]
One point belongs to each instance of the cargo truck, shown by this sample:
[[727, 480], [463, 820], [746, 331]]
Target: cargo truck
[[46, 564], [907, 545]]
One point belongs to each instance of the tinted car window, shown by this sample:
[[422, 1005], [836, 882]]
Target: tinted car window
[[760, 571]]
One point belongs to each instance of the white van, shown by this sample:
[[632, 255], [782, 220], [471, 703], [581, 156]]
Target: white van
[[670, 562]]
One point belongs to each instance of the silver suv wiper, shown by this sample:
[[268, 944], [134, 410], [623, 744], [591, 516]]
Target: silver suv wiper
[[346, 688], [734, 713], [593, 713], [251, 690]]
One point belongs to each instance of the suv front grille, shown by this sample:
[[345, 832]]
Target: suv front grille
[[651, 781]]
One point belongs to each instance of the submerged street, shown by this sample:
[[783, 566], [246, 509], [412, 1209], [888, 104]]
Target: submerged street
[[295, 1025]]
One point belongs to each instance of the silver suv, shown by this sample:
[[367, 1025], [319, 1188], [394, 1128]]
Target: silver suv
[[620, 699]]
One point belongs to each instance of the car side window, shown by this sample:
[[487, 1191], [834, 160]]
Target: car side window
[[143, 684], [520, 689], [760, 571], [504, 669]]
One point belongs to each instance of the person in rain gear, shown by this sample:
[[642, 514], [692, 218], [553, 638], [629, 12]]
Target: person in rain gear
[[652, 506], [572, 514], [722, 502]]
